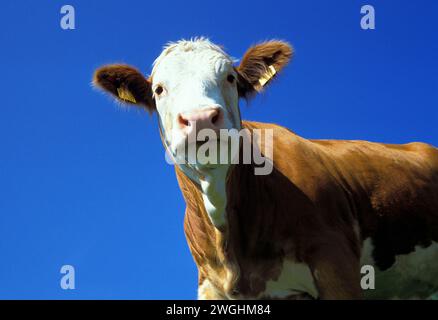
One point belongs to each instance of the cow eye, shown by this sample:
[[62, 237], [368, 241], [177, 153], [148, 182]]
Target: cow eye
[[230, 78], [158, 90]]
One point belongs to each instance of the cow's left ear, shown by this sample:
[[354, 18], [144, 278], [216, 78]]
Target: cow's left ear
[[260, 64], [126, 84]]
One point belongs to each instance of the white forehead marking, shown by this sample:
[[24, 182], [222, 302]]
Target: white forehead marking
[[202, 47]]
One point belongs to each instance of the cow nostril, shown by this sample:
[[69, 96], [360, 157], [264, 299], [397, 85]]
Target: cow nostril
[[200, 119], [215, 118], [182, 121]]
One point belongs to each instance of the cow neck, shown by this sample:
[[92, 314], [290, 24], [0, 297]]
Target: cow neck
[[211, 183]]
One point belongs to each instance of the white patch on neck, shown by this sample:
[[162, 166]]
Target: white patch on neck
[[206, 291], [213, 187]]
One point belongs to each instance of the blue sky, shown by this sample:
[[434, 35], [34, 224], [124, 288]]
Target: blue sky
[[85, 183]]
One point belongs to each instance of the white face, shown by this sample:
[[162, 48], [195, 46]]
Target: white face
[[194, 85]]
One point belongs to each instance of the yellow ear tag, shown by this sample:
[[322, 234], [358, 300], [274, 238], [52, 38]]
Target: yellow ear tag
[[126, 95], [267, 76]]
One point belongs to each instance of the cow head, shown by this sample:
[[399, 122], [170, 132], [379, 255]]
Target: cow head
[[195, 85]]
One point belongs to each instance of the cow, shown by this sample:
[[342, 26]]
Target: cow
[[326, 209]]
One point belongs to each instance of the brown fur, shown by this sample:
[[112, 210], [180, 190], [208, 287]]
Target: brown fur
[[114, 76], [306, 209], [256, 61]]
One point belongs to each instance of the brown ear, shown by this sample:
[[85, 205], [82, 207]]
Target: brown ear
[[260, 64], [125, 83]]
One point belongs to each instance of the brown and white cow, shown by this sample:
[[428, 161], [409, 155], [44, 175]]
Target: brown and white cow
[[326, 208]]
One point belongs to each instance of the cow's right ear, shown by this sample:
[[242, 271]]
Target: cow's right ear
[[126, 84]]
